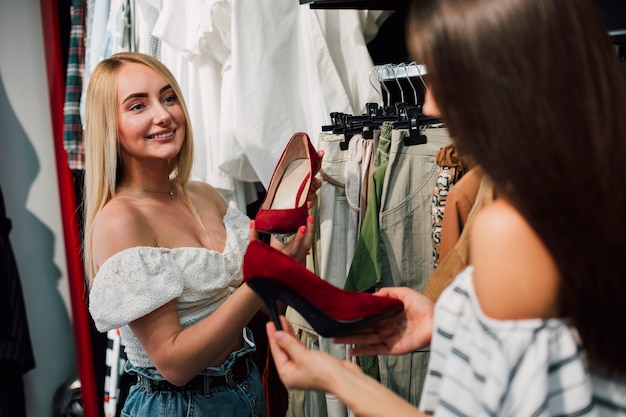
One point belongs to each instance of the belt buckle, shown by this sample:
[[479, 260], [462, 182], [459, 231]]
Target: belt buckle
[[230, 380], [233, 376]]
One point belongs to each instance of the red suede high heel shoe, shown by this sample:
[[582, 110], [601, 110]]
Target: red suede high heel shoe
[[284, 208], [331, 311]]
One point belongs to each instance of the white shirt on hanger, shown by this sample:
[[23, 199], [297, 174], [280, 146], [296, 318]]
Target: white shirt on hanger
[[292, 66], [255, 72]]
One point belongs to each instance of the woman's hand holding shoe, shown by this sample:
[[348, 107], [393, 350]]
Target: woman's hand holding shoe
[[399, 334], [297, 248], [299, 367], [315, 370], [301, 244]]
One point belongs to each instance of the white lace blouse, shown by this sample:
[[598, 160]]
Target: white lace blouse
[[136, 281], [480, 366]]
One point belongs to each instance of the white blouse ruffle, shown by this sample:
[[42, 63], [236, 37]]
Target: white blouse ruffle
[[136, 281]]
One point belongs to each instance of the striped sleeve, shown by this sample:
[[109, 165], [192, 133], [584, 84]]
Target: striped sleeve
[[485, 367]]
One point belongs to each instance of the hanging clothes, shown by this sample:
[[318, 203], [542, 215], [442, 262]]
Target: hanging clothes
[[365, 272], [394, 244], [16, 353], [459, 204], [405, 228], [458, 258], [292, 66], [199, 58], [451, 170], [108, 30], [72, 124], [334, 245], [346, 176]]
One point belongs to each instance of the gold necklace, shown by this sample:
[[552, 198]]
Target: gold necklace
[[171, 192]]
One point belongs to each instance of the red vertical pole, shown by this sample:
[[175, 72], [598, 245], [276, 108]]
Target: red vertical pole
[[56, 89]]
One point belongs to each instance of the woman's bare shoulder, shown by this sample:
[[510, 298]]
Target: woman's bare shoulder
[[118, 226], [515, 276], [204, 194]]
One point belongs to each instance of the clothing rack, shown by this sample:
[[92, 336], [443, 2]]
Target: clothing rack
[[400, 83], [402, 96], [404, 117]]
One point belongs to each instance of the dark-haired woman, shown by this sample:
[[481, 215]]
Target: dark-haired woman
[[533, 92]]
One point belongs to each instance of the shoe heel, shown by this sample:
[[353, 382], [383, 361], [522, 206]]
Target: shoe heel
[[268, 294], [271, 291]]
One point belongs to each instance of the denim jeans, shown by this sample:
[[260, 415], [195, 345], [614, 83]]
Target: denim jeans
[[246, 398]]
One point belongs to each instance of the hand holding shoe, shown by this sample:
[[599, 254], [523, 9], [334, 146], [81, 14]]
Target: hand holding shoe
[[398, 334], [298, 247]]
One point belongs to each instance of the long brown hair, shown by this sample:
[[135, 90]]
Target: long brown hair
[[532, 90]]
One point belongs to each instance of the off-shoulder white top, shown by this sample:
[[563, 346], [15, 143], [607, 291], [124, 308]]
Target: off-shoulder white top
[[480, 366], [136, 281]]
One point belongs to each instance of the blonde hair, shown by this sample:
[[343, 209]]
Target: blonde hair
[[103, 168]]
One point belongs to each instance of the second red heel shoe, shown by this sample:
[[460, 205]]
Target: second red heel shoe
[[284, 208], [331, 311]]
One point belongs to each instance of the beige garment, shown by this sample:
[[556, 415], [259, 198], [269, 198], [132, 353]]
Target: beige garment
[[459, 203], [304, 403], [458, 258]]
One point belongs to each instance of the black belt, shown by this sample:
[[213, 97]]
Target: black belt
[[237, 373]]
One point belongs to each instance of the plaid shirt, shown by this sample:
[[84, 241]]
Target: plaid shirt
[[72, 125]]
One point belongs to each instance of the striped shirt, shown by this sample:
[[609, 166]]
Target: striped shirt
[[480, 366]]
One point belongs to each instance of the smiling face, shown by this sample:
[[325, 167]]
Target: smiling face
[[150, 119]]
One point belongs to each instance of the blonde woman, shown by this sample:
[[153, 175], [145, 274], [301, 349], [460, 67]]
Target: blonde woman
[[163, 253]]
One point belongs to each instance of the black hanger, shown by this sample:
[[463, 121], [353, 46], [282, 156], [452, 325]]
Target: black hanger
[[414, 120], [403, 115]]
